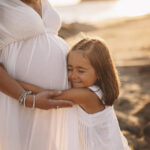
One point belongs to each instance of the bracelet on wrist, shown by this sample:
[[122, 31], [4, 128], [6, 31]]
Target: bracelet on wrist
[[34, 101], [22, 98]]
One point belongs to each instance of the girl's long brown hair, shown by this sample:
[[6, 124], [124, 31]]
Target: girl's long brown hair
[[107, 77]]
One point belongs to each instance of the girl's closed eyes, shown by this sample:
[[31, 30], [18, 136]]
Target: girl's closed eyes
[[80, 71]]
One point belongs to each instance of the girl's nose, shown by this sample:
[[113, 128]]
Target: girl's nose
[[74, 75]]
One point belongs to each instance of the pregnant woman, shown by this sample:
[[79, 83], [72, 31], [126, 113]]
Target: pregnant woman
[[31, 51]]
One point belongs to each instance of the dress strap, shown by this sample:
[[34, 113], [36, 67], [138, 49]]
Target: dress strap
[[98, 92]]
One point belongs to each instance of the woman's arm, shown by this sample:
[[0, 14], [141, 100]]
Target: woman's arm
[[12, 88], [86, 98], [8, 85], [31, 87]]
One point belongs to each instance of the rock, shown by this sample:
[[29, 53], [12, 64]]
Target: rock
[[134, 142], [146, 130], [123, 104], [145, 69], [129, 124], [144, 113], [68, 30]]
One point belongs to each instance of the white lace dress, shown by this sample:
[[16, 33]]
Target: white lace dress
[[31, 51]]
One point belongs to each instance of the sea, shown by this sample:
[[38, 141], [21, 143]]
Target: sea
[[93, 11]]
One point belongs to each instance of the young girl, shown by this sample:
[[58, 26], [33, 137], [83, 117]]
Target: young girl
[[95, 87], [90, 66]]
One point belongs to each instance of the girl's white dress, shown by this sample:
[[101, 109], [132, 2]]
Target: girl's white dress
[[32, 52], [99, 131]]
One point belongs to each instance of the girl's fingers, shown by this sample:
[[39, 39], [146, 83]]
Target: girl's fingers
[[60, 103], [53, 93]]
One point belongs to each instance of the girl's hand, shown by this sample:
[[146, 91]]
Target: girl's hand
[[44, 100]]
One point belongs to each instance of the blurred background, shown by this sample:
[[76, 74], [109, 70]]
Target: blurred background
[[90, 10], [125, 26]]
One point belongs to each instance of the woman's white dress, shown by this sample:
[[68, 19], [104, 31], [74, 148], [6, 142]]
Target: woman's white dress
[[32, 52]]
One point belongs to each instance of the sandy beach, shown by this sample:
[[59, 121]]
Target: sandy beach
[[129, 42]]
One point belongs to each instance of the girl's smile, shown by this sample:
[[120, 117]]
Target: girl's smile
[[80, 71]]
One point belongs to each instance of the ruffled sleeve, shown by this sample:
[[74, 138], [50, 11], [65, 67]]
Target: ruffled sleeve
[[5, 35], [18, 22], [98, 92]]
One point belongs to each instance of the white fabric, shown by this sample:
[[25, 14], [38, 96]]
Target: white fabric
[[98, 92], [32, 52], [20, 22], [100, 131]]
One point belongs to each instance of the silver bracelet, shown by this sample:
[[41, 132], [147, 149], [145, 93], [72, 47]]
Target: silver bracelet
[[24, 101], [22, 97], [34, 101], [20, 100]]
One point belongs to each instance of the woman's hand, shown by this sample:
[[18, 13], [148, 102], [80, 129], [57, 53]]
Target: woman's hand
[[44, 100]]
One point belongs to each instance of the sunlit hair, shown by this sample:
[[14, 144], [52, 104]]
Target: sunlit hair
[[107, 77]]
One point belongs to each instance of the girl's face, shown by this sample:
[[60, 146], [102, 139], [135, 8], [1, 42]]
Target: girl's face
[[80, 71]]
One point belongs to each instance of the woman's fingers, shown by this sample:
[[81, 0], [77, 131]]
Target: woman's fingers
[[44, 100], [58, 103]]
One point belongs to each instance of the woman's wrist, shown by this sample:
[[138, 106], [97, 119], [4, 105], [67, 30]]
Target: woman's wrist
[[29, 100]]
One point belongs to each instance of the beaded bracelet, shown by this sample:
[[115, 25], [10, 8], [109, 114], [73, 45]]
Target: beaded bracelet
[[22, 97]]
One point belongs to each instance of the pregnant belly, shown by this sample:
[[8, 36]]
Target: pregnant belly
[[40, 62]]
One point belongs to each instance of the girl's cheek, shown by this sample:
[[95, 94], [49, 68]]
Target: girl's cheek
[[69, 76]]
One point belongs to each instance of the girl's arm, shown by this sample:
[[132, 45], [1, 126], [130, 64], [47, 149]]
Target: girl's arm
[[86, 98]]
